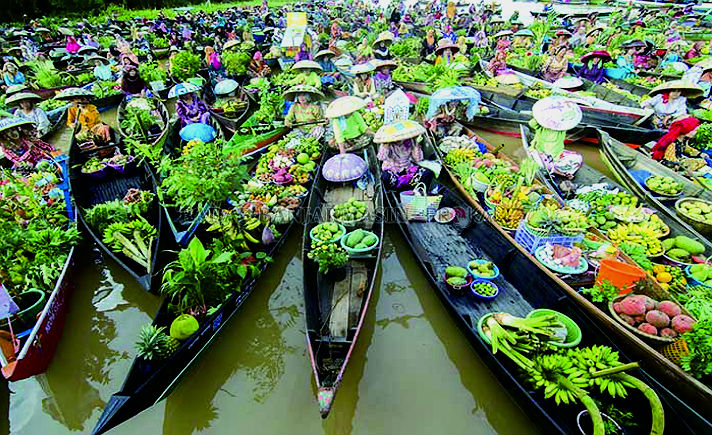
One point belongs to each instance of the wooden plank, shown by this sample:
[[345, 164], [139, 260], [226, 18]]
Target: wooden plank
[[339, 319], [359, 286]]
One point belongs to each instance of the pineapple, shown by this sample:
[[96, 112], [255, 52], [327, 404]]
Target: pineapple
[[154, 344]]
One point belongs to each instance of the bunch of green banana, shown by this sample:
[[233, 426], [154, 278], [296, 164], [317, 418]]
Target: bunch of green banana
[[547, 372]]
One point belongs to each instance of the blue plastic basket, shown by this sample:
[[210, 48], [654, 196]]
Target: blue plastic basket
[[531, 242], [616, 73]]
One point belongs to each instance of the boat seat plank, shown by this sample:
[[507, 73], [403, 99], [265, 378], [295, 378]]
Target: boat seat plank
[[359, 285], [339, 318], [444, 246]]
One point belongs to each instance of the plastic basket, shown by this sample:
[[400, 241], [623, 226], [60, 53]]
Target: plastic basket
[[675, 351], [616, 73], [353, 252], [573, 331], [481, 296], [531, 242], [334, 240]]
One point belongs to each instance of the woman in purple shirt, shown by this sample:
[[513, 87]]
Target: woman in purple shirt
[[592, 68]]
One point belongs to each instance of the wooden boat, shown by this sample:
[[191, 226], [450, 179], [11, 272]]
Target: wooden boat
[[335, 309], [151, 137], [501, 119], [57, 119], [596, 112], [36, 347], [418, 87], [106, 103], [627, 163], [523, 286], [689, 389], [89, 192], [184, 225], [148, 383]]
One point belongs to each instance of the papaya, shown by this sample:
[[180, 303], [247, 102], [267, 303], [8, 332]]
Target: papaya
[[692, 246], [454, 271], [370, 240], [354, 238], [668, 243], [456, 280], [678, 254]]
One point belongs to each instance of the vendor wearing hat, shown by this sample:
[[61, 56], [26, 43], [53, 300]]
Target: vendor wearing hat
[[86, 116], [592, 68], [430, 44], [307, 73], [626, 61], [498, 64], [382, 79], [400, 156], [381, 45], [305, 110], [258, 66], [324, 59], [555, 65], [11, 75], [552, 117], [28, 110], [20, 144], [363, 84], [132, 84], [502, 38], [523, 39], [350, 130], [701, 74], [562, 40], [102, 70], [669, 101], [445, 52]]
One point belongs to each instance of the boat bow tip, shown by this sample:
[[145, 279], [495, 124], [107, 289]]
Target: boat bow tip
[[326, 399], [109, 418]]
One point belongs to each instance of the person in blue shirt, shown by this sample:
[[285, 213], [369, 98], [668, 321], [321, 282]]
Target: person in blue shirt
[[11, 75]]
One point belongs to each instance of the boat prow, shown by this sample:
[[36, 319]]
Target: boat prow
[[326, 399], [113, 414]]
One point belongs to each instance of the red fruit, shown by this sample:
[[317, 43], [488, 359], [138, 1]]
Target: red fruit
[[617, 307], [682, 323], [667, 332], [627, 319], [648, 328], [670, 308], [657, 318], [633, 305], [650, 303]]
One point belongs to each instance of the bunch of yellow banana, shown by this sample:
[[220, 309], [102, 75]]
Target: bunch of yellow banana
[[509, 212]]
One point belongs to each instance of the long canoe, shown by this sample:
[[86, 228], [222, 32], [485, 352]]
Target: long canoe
[[90, 192], [632, 167], [689, 389], [335, 308], [596, 112], [149, 136], [505, 119], [523, 287], [148, 383], [37, 346]]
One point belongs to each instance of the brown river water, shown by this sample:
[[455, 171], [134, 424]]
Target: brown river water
[[413, 371]]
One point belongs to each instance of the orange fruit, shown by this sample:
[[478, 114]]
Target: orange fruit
[[664, 277], [658, 268]]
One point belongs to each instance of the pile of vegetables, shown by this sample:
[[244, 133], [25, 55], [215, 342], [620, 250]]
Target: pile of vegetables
[[703, 137], [51, 104], [36, 232], [123, 227], [152, 72], [658, 318], [407, 47], [236, 62], [103, 89], [205, 175], [271, 103], [184, 65], [140, 118]]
